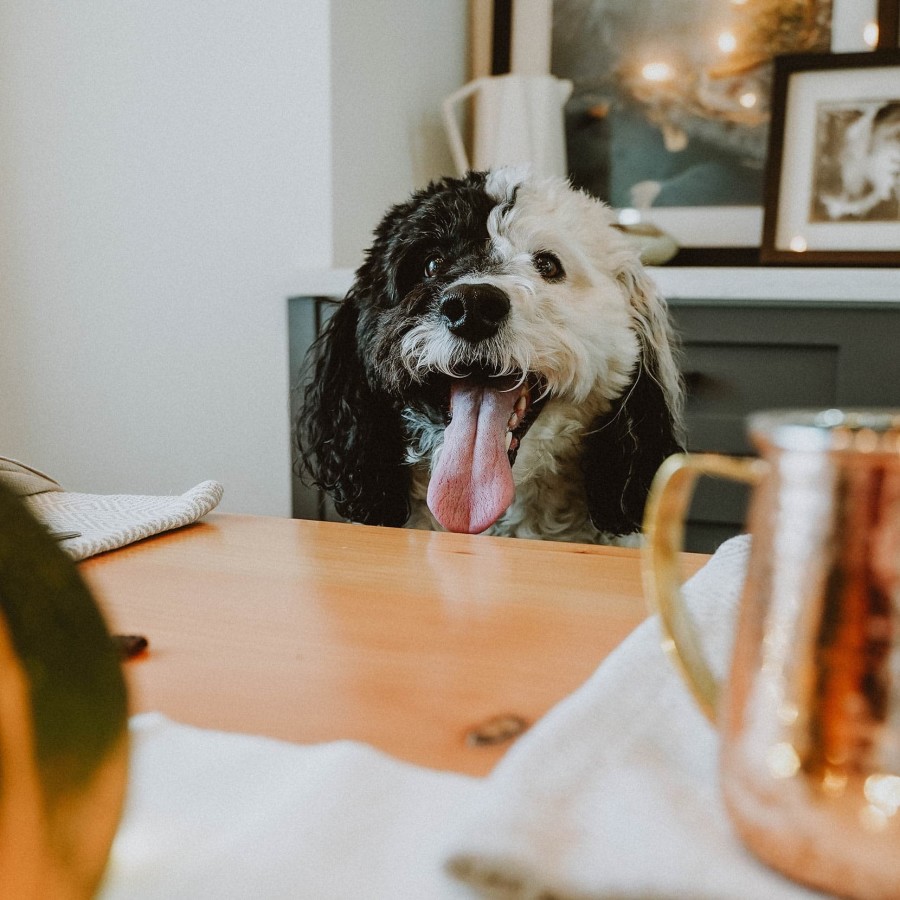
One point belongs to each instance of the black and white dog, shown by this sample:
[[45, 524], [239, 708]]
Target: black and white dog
[[502, 363]]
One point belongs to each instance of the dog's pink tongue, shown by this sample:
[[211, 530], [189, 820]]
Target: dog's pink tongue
[[472, 485]]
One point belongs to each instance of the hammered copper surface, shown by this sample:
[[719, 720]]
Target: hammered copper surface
[[810, 715]]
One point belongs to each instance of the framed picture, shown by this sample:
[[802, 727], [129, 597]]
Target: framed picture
[[669, 117], [888, 24], [833, 183]]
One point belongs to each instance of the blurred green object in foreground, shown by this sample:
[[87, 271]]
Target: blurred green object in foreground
[[63, 718]]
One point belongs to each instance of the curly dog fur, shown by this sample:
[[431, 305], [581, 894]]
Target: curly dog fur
[[502, 363]]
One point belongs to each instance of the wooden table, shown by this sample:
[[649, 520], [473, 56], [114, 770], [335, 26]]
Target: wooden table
[[314, 631]]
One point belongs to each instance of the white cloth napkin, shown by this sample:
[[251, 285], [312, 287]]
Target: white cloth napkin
[[215, 816], [109, 521], [613, 794]]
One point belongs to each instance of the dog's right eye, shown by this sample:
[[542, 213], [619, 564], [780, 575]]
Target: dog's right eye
[[433, 265], [548, 265]]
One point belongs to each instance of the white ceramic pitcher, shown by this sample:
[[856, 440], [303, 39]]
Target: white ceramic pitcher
[[517, 120]]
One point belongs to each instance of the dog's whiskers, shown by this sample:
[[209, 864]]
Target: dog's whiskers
[[639, 370], [426, 350]]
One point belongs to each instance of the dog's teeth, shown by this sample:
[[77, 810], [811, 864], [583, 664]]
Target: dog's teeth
[[513, 422], [521, 404], [509, 438]]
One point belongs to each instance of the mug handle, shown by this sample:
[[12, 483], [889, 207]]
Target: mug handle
[[457, 147], [667, 505]]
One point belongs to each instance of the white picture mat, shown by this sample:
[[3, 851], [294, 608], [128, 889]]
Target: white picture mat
[[710, 226], [806, 90], [849, 19]]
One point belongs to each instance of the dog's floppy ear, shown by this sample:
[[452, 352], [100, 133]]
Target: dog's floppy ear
[[626, 446], [349, 438]]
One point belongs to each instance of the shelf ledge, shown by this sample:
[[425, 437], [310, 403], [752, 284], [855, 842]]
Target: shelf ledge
[[702, 283]]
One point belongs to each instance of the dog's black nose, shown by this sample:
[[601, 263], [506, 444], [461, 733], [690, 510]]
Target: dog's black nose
[[474, 311]]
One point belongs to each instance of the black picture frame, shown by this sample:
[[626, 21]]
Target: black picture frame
[[888, 20], [820, 103]]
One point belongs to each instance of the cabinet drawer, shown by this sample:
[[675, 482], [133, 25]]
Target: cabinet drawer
[[741, 358], [727, 381]]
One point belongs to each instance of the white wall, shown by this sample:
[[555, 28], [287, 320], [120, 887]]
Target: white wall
[[392, 63], [165, 170]]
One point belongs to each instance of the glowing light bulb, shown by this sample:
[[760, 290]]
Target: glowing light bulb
[[727, 42], [870, 34], [748, 100], [658, 71], [798, 244], [883, 791], [782, 760]]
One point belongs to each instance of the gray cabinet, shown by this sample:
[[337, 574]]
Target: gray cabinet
[[742, 357], [306, 316], [738, 356]]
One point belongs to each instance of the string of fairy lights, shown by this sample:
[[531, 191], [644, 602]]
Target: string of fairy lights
[[728, 76], [724, 76]]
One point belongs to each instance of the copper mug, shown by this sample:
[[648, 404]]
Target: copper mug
[[809, 716]]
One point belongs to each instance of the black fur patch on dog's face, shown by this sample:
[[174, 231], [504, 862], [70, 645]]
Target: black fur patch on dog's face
[[419, 248]]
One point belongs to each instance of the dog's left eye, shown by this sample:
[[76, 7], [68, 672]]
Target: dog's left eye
[[548, 265], [433, 265]]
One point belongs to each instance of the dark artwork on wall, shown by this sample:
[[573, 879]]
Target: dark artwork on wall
[[671, 100]]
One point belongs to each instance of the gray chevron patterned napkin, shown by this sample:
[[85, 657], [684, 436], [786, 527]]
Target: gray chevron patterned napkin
[[105, 521], [109, 521]]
